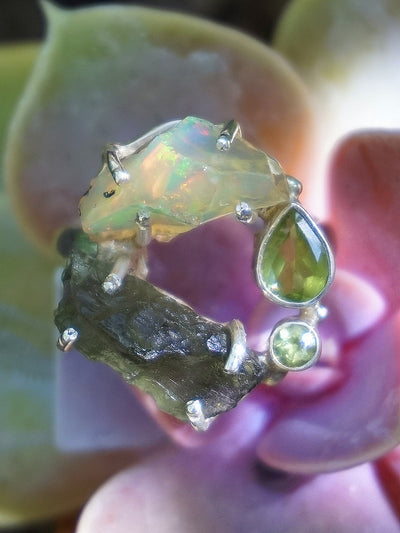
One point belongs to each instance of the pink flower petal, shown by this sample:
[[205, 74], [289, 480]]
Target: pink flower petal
[[207, 490], [365, 200], [388, 469], [357, 305], [210, 268], [355, 422]]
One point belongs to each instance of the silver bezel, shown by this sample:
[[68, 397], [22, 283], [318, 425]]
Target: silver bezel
[[264, 242], [275, 331]]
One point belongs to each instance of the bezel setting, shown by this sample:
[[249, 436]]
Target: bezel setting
[[295, 322], [268, 232]]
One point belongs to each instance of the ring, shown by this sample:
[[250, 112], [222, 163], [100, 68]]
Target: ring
[[176, 177]]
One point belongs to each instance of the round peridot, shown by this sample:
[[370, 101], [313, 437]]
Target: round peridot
[[294, 345]]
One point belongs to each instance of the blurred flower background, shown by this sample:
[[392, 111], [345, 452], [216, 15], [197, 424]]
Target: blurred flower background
[[66, 425]]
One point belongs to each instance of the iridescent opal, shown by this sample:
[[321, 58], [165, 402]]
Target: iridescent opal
[[183, 180]]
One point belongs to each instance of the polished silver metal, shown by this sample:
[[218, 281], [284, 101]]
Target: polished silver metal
[[111, 284], [274, 376], [195, 414], [238, 351], [229, 132], [119, 174], [143, 221], [312, 331], [114, 153], [322, 311], [66, 339], [313, 314], [295, 187], [135, 146], [244, 213], [269, 230], [115, 278]]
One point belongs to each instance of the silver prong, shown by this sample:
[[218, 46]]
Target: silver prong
[[295, 187], [125, 150], [119, 174], [244, 213], [67, 339], [238, 352], [322, 311], [143, 221], [227, 135], [115, 278], [113, 153], [112, 283], [195, 414]]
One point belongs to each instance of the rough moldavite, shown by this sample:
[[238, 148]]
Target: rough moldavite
[[183, 180], [155, 342], [294, 264]]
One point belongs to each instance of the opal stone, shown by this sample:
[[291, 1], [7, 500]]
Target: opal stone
[[293, 264], [294, 345], [183, 180]]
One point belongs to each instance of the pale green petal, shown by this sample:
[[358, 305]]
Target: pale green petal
[[16, 63], [347, 52], [25, 282]]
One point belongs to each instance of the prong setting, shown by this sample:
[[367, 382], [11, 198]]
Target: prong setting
[[223, 143], [143, 221], [238, 351], [195, 414], [115, 278], [229, 132], [119, 174], [111, 284], [67, 339], [244, 213], [295, 187]]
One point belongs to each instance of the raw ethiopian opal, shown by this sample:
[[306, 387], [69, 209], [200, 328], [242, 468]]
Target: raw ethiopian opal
[[182, 180]]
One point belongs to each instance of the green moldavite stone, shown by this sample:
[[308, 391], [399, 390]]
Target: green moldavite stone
[[182, 180], [294, 261], [294, 345], [154, 341]]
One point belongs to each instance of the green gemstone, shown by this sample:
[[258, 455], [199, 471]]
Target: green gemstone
[[294, 345], [294, 264]]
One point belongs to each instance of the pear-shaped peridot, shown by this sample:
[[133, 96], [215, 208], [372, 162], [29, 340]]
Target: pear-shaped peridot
[[294, 345], [294, 265]]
